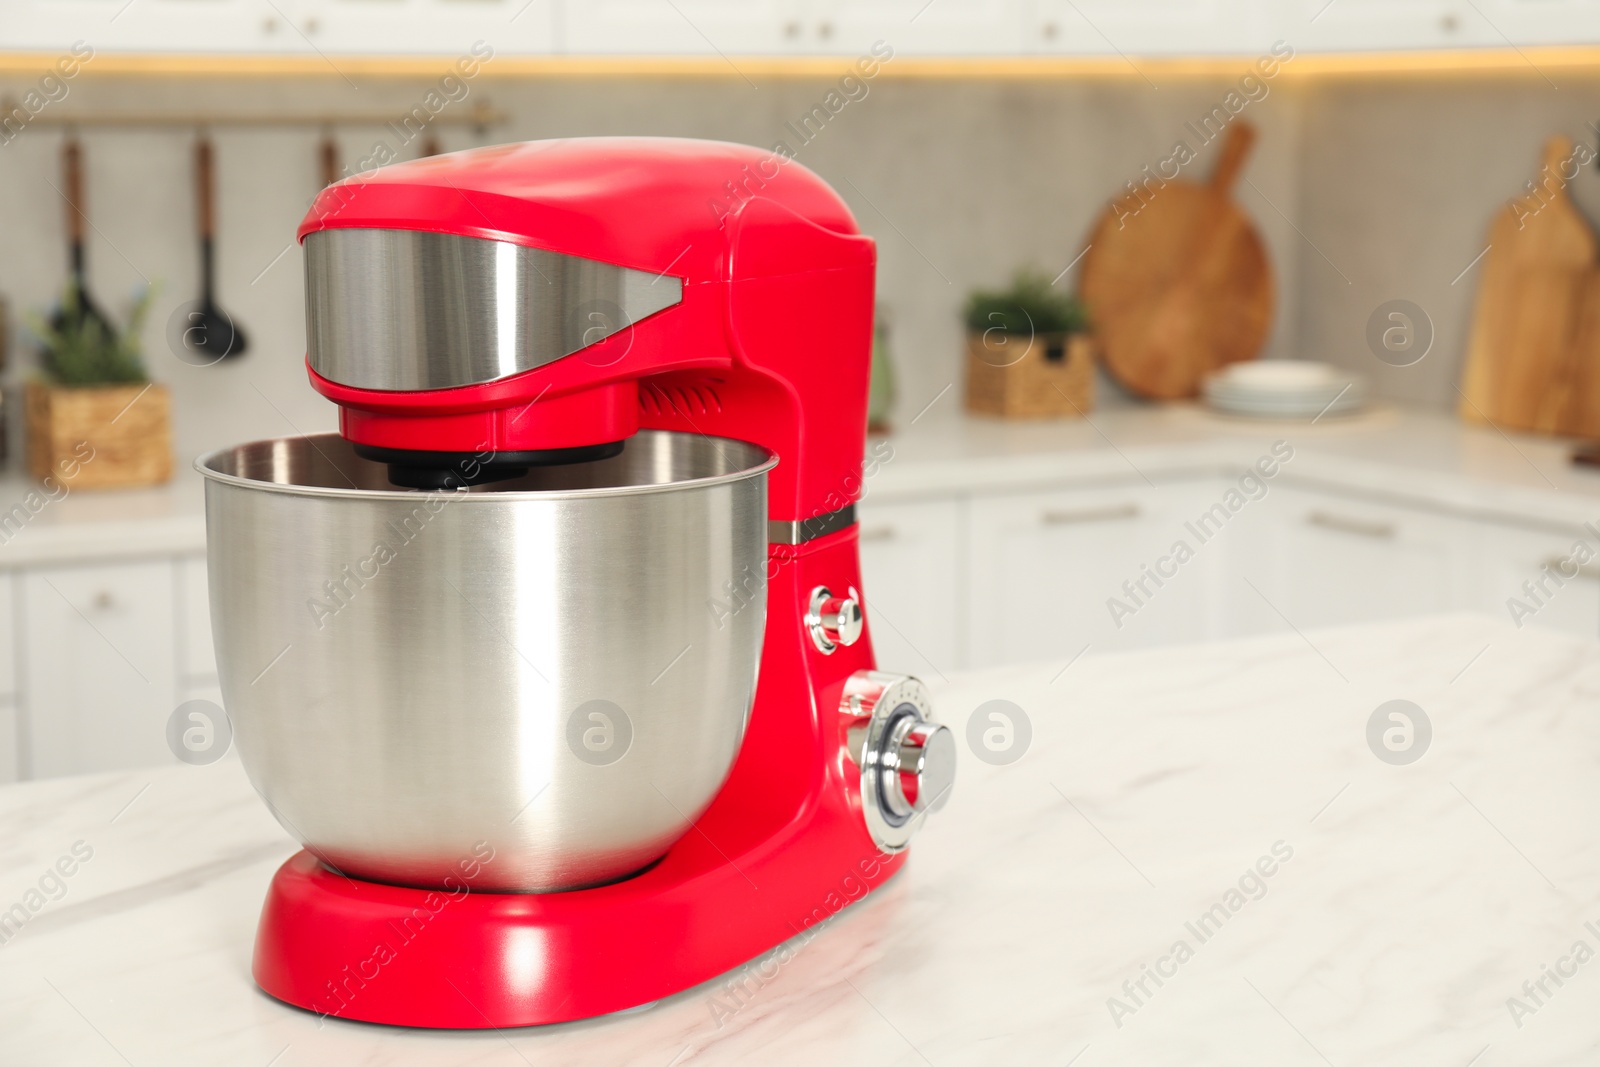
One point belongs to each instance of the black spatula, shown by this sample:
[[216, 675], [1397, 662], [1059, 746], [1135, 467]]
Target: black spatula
[[210, 333], [78, 309]]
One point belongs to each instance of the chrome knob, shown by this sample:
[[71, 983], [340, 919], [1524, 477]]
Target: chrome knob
[[919, 767], [833, 620], [907, 762]]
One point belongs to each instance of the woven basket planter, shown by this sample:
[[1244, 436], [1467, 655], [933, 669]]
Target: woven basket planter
[[1017, 376], [103, 436]]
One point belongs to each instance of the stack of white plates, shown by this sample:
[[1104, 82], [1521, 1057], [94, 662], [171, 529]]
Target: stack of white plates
[[1284, 389]]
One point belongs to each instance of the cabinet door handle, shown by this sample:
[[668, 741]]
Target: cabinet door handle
[[877, 533], [1585, 570], [104, 601], [1114, 513], [1378, 530]]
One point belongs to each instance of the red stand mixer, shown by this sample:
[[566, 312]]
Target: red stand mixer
[[575, 363]]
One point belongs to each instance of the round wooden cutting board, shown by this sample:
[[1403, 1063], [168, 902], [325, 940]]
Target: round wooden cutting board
[[1176, 280]]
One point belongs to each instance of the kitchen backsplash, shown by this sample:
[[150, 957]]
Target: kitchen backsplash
[[1365, 192]]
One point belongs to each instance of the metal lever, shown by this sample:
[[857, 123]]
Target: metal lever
[[833, 620]]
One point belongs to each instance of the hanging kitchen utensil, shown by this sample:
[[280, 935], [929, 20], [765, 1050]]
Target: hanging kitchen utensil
[[328, 154], [1176, 280], [79, 306], [1528, 323], [211, 332]]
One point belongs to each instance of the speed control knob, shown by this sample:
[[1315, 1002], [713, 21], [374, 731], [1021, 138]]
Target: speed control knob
[[907, 762], [918, 767]]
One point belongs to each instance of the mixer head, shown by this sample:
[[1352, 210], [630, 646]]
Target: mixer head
[[411, 311], [483, 312]]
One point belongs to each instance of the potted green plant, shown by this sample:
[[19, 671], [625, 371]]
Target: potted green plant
[[94, 418], [1029, 350]]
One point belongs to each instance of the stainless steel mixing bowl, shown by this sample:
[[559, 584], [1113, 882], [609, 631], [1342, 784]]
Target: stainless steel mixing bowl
[[551, 667]]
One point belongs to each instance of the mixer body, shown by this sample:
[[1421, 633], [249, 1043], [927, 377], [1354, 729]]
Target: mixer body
[[486, 317]]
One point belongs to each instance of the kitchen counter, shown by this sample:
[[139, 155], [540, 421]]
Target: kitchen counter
[[1415, 456], [1398, 908], [41, 525]]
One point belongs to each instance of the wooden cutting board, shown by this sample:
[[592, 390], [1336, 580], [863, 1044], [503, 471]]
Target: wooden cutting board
[[1176, 280], [1580, 392], [1525, 370]]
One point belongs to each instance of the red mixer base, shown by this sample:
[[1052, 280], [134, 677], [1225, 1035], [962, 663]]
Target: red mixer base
[[464, 959]]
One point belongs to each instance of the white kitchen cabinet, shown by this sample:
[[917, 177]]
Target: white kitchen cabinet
[[445, 28], [1400, 25], [915, 27], [1332, 559], [1248, 544], [1385, 25], [10, 730], [685, 27], [154, 26], [912, 577], [731, 28], [1539, 22], [1510, 560], [10, 743], [198, 658], [1035, 572], [99, 666], [1045, 567], [1149, 27], [208, 691], [8, 638], [953, 579], [326, 28], [840, 27]]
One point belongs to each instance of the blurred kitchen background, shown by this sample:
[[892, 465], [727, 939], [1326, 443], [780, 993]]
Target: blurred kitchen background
[[972, 139]]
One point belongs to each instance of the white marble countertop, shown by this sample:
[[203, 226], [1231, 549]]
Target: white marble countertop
[[1417, 900], [1408, 455]]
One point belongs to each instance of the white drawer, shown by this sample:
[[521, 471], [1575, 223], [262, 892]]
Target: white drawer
[[1537, 578], [198, 658], [8, 637], [911, 579], [100, 661]]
